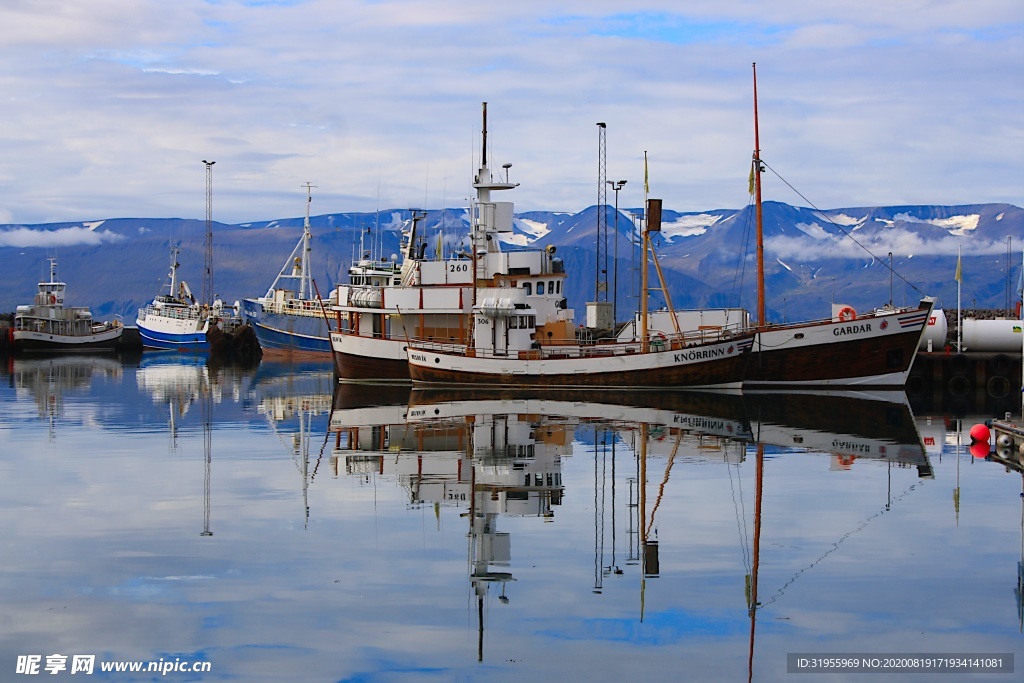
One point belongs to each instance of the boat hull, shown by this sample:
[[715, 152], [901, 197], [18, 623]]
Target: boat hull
[[173, 334], [869, 352], [368, 359], [27, 341], [719, 365], [286, 334]]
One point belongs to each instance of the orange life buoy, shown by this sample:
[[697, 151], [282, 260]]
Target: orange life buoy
[[846, 314], [53, 299]]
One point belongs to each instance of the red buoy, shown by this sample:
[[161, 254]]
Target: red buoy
[[980, 449], [979, 432]]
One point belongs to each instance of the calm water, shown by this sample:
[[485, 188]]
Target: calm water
[[365, 534]]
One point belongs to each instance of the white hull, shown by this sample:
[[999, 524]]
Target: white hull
[[28, 341]]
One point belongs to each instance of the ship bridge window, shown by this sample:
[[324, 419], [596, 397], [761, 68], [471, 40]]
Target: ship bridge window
[[540, 288], [521, 322], [551, 287], [528, 286]]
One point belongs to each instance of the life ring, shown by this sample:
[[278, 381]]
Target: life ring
[[916, 385], [998, 386], [959, 386], [53, 299], [846, 314]]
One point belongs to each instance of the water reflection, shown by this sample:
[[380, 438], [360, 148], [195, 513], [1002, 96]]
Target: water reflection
[[590, 528], [500, 453], [47, 379], [292, 397]]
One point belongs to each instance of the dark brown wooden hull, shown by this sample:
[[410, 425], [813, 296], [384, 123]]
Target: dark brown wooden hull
[[723, 372], [863, 353], [349, 367]]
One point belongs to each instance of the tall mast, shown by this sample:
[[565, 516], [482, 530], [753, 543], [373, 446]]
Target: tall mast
[[488, 217], [760, 216], [306, 237], [174, 271], [483, 150]]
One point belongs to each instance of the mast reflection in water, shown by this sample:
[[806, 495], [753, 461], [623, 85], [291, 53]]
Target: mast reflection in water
[[381, 533]]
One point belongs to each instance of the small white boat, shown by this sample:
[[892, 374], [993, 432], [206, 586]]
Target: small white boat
[[175, 320], [47, 326]]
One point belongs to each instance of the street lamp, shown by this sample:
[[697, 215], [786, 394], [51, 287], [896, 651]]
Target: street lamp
[[616, 186], [208, 256]]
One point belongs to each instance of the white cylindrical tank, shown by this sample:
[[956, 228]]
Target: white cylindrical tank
[[935, 332], [1003, 335]]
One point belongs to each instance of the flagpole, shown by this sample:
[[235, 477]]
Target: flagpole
[[959, 278]]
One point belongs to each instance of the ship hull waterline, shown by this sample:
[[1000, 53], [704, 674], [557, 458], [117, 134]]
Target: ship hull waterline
[[26, 341], [866, 352], [715, 366]]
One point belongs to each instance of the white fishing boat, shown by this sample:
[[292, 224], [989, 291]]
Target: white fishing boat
[[175, 320], [508, 348], [433, 297], [850, 349], [46, 325]]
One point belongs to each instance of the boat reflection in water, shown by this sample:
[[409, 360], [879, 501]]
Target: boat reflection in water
[[49, 378], [499, 454], [296, 400], [848, 425]]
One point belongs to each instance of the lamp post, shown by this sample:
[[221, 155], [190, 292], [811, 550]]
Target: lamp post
[[616, 186], [208, 274]]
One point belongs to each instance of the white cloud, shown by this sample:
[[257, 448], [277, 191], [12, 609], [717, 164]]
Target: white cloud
[[64, 237], [900, 242], [116, 102]]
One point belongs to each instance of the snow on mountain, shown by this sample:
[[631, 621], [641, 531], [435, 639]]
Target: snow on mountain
[[812, 257]]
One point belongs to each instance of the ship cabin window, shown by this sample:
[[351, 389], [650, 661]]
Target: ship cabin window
[[521, 322], [528, 286], [551, 287], [540, 288]]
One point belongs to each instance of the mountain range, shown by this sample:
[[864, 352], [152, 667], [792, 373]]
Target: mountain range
[[812, 257]]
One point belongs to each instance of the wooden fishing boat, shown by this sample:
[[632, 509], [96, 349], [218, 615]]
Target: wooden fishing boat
[[875, 349]]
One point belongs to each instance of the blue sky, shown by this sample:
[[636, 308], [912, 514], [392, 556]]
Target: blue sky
[[111, 105]]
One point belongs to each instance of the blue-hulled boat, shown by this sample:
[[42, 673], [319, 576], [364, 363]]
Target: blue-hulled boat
[[174, 321]]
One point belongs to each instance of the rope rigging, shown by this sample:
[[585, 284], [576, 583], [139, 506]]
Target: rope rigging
[[841, 229]]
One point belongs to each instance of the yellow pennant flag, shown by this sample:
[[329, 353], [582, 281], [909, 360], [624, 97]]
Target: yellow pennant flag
[[750, 180], [647, 184], [646, 177]]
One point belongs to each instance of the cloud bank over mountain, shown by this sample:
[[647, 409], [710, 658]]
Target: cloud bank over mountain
[[812, 257]]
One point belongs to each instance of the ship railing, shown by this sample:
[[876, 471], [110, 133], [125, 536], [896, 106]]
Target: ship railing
[[661, 340], [303, 307], [602, 347], [189, 313]]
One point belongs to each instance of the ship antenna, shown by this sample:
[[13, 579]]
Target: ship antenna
[[483, 154]]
